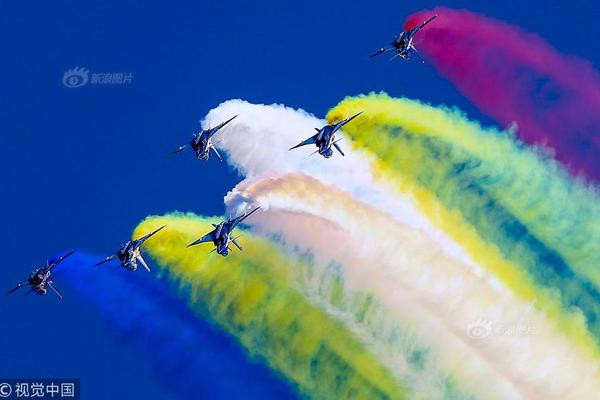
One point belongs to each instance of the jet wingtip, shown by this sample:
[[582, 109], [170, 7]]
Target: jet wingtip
[[15, 288], [378, 52], [255, 209], [68, 254]]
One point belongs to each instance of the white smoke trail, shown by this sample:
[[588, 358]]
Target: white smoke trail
[[437, 296], [257, 144]]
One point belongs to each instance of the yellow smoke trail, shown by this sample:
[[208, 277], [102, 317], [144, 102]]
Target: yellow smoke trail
[[562, 212], [405, 261], [430, 181], [249, 295]]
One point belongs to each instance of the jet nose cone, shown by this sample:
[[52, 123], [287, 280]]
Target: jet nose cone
[[327, 153]]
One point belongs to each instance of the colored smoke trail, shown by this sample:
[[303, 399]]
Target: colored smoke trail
[[481, 185], [400, 287], [411, 277], [257, 146], [188, 355], [512, 75], [250, 297]]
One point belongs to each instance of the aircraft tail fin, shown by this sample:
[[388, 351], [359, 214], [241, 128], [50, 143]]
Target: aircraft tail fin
[[51, 286], [338, 147], [143, 262], [216, 152], [235, 242]]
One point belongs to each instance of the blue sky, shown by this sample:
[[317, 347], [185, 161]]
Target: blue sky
[[81, 167]]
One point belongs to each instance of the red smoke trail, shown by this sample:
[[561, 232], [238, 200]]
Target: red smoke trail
[[512, 75]]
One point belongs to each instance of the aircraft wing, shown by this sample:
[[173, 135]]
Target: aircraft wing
[[107, 259], [236, 221], [58, 260], [209, 237], [141, 240], [20, 285], [218, 127], [310, 140], [381, 50], [413, 31], [345, 121], [179, 150]]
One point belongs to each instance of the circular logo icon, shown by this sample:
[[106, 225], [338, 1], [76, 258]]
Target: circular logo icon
[[479, 329], [76, 77], [5, 390]]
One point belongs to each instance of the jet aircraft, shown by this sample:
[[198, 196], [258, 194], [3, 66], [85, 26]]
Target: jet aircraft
[[202, 144], [324, 139], [403, 44], [42, 277], [221, 236], [130, 254]]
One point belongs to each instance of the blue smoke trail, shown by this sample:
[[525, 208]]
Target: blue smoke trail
[[188, 355]]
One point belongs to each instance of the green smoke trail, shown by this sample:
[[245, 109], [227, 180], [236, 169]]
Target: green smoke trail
[[515, 198], [250, 296]]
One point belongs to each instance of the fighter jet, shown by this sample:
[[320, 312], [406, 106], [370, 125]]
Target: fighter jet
[[129, 254], [221, 235], [403, 44], [201, 142], [42, 277], [324, 139]]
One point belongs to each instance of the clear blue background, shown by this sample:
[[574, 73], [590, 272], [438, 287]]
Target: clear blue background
[[81, 167]]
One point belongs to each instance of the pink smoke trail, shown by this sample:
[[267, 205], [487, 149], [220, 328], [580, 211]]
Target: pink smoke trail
[[512, 75]]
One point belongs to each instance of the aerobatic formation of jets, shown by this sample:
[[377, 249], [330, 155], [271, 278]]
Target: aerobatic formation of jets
[[130, 254]]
